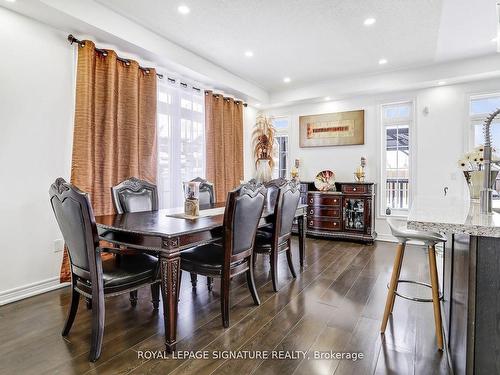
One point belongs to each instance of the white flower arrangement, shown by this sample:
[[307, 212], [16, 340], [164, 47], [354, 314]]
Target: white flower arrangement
[[474, 160]]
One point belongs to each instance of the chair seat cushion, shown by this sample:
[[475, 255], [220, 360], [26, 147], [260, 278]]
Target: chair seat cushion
[[123, 270], [263, 240], [207, 256]]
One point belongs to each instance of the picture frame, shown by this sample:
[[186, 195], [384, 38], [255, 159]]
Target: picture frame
[[332, 129]]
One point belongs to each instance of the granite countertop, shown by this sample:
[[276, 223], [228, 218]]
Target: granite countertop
[[453, 215]]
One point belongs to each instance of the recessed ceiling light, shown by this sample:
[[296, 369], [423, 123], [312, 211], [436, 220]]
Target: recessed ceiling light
[[10, 1], [183, 9], [494, 40], [287, 80], [257, 104], [382, 61], [441, 83], [369, 21], [327, 98], [248, 53]]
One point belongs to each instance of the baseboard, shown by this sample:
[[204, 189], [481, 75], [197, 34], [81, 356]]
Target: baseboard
[[30, 290], [385, 238]]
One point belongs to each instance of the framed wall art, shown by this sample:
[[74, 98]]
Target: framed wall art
[[332, 129]]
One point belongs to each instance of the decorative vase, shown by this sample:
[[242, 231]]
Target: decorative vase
[[192, 198], [263, 172], [475, 181]]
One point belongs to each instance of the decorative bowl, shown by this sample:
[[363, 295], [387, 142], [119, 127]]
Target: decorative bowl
[[325, 181]]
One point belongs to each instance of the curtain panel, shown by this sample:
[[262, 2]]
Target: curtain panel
[[115, 127], [224, 143]]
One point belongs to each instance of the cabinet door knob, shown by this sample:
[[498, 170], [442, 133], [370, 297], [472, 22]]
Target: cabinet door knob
[[311, 212], [311, 200], [354, 189], [334, 224], [311, 223]]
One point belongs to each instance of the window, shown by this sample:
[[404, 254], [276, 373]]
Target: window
[[480, 107], [397, 121], [181, 140], [281, 126]]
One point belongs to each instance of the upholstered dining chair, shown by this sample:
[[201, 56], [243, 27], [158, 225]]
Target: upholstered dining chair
[[233, 255], [207, 198], [91, 276], [134, 195], [277, 238]]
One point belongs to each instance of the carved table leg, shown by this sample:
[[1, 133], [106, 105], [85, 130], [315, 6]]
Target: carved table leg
[[302, 237], [170, 278]]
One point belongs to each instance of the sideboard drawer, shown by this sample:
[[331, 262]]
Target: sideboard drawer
[[314, 211], [355, 189], [330, 224], [323, 200]]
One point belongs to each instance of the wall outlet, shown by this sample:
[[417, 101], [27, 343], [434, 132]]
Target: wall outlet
[[58, 245]]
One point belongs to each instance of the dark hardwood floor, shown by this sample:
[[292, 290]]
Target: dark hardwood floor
[[336, 303]]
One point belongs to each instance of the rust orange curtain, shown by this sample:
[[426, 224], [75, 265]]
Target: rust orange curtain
[[115, 127], [224, 143]]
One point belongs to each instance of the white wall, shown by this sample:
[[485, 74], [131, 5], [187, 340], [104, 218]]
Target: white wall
[[439, 136], [36, 122]]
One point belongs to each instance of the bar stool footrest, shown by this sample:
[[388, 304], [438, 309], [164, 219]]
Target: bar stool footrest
[[415, 299]]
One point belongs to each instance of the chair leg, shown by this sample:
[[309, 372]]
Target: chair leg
[[251, 285], [400, 265], [133, 298], [194, 279], [289, 259], [97, 327], [435, 296], [224, 300], [88, 303], [73, 308], [392, 286], [273, 258], [254, 259], [155, 295], [210, 283]]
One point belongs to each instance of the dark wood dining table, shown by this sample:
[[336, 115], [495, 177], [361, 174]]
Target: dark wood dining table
[[167, 235]]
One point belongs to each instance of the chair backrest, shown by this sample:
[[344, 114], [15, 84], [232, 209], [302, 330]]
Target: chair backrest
[[76, 220], [243, 211], [207, 191], [287, 200], [273, 187], [134, 195]]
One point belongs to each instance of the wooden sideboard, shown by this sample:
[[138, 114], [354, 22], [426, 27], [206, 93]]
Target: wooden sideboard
[[347, 213]]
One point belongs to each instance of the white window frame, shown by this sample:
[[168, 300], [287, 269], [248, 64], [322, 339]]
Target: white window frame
[[283, 133], [476, 119], [403, 213]]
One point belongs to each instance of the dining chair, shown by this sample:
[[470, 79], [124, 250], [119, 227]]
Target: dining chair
[[92, 276], [134, 195], [233, 255], [276, 239], [207, 198]]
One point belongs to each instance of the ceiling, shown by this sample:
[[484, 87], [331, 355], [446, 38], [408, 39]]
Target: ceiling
[[314, 40]]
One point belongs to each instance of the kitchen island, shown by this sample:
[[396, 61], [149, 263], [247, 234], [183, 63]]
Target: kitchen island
[[471, 280]]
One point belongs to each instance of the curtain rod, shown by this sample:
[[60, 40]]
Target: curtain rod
[[226, 97], [81, 43]]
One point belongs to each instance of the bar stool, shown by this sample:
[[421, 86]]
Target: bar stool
[[430, 239]]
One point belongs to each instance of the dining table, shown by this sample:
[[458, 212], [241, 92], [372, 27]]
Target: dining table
[[168, 233]]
